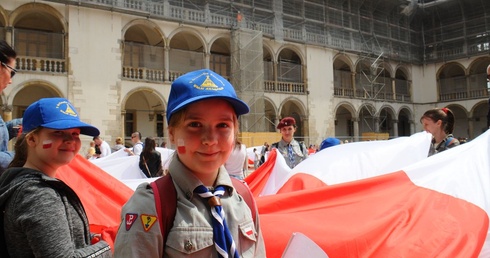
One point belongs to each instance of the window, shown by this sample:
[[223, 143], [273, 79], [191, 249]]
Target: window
[[160, 125], [35, 43], [133, 54], [350, 127], [220, 64], [129, 123]]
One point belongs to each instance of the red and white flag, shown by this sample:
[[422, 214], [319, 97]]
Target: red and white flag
[[373, 199]]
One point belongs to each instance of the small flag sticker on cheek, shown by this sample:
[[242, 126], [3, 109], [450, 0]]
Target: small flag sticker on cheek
[[180, 146], [47, 144]]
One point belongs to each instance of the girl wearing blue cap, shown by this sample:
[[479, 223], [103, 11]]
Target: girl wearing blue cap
[[211, 217], [41, 215]]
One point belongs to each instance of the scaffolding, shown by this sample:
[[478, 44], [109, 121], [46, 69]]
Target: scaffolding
[[412, 31], [247, 76], [370, 57]]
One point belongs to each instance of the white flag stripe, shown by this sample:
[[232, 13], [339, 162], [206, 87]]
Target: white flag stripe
[[354, 161]]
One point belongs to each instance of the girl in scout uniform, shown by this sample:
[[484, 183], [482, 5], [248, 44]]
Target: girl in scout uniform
[[293, 151], [202, 113]]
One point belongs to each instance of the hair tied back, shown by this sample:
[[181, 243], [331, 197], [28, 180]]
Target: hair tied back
[[444, 110]]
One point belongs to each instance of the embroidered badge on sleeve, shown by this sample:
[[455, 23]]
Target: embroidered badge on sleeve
[[130, 219], [148, 221]]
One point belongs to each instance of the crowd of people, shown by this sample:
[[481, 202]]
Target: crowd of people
[[43, 217]]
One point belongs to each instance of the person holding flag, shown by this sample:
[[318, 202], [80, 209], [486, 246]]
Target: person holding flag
[[293, 151], [440, 123], [211, 218]]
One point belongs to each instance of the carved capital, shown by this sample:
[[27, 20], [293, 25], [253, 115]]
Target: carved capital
[[7, 108]]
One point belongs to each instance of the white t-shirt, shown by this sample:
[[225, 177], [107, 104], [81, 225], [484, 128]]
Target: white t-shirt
[[257, 156], [236, 162], [138, 148], [105, 149]]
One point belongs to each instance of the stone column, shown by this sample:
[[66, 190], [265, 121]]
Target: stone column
[[275, 73], [165, 122], [9, 35], [376, 124], [276, 122], [395, 128], [409, 91], [305, 129], [393, 88], [412, 126], [207, 57], [353, 75], [123, 127], [471, 127], [166, 63], [355, 122]]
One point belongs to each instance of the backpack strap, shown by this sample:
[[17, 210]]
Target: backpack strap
[[449, 140], [302, 146], [245, 192], [164, 186]]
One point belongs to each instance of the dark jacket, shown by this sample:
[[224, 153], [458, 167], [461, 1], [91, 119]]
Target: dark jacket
[[43, 217], [154, 163]]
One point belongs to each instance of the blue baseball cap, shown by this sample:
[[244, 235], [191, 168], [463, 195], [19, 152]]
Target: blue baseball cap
[[55, 113], [200, 85], [329, 142]]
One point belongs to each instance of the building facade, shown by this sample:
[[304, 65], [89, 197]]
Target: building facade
[[343, 68]]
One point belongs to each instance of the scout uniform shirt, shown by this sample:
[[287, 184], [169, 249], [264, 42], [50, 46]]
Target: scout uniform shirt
[[139, 234], [300, 153]]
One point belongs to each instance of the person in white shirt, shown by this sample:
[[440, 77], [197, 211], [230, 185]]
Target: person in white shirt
[[237, 163], [137, 144], [105, 148]]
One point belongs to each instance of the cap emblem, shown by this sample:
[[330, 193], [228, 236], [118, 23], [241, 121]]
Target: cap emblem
[[207, 84], [67, 109]]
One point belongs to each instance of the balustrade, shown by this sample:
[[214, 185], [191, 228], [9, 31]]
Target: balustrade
[[40, 64]]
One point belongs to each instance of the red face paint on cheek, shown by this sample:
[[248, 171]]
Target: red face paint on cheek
[[180, 146], [47, 144]]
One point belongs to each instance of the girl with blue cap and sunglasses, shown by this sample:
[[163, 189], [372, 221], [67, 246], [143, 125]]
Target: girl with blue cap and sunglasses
[[211, 218], [41, 215]]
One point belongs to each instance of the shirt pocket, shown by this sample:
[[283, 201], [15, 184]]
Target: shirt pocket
[[248, 238], [190, 240]]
